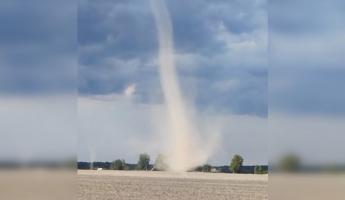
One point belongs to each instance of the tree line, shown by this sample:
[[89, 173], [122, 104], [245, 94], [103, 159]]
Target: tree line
[[235, 165]]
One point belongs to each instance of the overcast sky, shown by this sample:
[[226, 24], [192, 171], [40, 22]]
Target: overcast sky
[[266, 77], [221, 55]]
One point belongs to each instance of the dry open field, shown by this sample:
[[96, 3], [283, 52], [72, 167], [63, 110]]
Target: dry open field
[[130, 185]]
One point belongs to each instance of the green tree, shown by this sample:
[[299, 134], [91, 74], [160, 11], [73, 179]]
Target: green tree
[[118, 164], [144, 161], [258, 170], [160, 163], [197, 169], [289, 163], [206, 168], [236, 163]]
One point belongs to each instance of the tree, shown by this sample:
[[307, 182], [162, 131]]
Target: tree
[[258, 170], [197, 169], [144, 162], [289, 163], [236, 163], [118, 164], [206, 168], [160, 163]]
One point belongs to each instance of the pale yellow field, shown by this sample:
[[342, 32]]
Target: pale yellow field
[[128, 185]]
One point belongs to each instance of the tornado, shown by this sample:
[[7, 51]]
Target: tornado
[[184, 150]]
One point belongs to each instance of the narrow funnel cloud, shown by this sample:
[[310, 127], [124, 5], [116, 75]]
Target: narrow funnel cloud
[[184, 150]]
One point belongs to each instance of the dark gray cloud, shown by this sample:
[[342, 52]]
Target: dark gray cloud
[[122, 29], [310, 90], [196, 22], [306, 57], [299, 17], [38, 46], [216, 43]]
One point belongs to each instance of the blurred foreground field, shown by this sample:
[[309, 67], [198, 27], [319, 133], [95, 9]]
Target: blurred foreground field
[[170, 186], [37, 184], [303, 186]]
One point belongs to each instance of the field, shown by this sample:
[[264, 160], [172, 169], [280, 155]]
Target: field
[[135, 185]]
